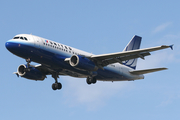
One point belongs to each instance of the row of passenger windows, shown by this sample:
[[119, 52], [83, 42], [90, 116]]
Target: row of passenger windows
[[58, 47], [22, 38], [56, 44]]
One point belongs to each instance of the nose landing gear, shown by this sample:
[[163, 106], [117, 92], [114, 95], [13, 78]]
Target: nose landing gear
[[28, 64]]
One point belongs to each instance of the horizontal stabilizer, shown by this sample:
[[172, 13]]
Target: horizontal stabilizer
[[140, 72]]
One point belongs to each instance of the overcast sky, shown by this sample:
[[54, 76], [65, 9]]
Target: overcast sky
[[98, 27]]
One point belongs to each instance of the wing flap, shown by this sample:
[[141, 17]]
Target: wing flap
[[140, 72]]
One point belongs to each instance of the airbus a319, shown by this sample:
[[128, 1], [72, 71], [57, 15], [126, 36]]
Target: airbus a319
[[58, 59]]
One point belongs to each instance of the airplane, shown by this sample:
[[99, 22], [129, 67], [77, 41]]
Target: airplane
[[58, 59]]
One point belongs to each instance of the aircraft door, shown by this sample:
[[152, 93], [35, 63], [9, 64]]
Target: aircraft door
[[37, 42]]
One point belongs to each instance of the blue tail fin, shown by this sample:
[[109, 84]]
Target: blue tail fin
[[132, 45]]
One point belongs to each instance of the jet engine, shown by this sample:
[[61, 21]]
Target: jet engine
[[82, 63], [30, 73]]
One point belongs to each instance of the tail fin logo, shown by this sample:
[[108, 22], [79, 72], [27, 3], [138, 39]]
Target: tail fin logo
[[132, 45], [131, 63]]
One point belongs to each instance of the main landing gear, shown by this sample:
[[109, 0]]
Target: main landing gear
[[56, 85], [91, 80]]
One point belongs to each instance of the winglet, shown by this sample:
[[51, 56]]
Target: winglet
[[171, 46]]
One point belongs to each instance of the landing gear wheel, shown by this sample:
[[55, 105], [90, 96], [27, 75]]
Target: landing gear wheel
[[56, 86], [88, 80], [93, 80]]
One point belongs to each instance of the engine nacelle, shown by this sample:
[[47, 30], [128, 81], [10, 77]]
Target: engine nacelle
[[30, 73], [82, 63]]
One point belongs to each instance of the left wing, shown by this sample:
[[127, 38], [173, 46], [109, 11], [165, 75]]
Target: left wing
[[44, 69], [106, 59], [47, 70]]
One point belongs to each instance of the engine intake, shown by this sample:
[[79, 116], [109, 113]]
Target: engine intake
[[82, 63]]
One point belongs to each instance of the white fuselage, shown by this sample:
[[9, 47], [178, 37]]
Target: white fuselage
[[52, 55]]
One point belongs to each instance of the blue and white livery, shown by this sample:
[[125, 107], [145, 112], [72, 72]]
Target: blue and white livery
[[58, 59]]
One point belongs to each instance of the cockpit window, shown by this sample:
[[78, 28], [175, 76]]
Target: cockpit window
[[25, 38], [16, 38], [22, 38]]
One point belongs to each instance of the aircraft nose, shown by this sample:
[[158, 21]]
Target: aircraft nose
[[10, 45], [7, 44]]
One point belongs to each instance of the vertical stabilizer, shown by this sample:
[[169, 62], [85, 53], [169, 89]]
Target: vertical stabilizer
[[132, 45]]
